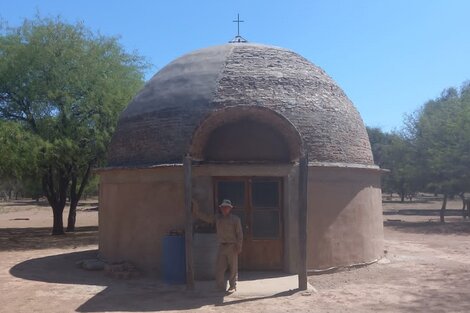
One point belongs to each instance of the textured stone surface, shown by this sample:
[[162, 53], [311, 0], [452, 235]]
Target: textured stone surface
[[158, 125]]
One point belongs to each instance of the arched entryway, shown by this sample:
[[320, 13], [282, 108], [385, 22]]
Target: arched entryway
[[250, 138], [245, 134]]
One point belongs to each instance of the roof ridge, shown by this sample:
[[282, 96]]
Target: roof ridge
[[220, 73]]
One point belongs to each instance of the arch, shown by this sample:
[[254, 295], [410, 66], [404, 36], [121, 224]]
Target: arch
[[261, 122]]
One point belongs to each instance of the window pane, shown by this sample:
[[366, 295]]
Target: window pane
[[265, 194], [266, 224], [233, 191]]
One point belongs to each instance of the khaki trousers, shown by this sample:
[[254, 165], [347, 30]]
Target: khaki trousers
[[227, 258]]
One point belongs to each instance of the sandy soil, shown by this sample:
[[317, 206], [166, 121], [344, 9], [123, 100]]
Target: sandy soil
[[426, 269]]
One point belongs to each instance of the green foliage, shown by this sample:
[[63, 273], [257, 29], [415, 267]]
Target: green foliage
[[432, 153], [92, 188], [20, 151], [394, 152], [67, 86], [441, 133], [379, 141], [66, 82]]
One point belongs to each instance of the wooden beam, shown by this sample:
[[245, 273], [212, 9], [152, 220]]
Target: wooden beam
[[189, 222], [303, 196]]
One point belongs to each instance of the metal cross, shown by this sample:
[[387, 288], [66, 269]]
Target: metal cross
[[238, 24], [238, 38]]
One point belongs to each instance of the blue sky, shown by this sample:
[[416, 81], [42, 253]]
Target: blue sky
[[389, 56]]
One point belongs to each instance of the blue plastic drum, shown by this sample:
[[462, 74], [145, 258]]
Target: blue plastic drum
[[174, 260]]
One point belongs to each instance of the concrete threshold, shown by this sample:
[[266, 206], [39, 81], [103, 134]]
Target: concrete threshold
[[259, 284]]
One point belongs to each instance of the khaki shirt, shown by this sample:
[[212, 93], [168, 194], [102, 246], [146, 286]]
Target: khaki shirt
[[229, 228]]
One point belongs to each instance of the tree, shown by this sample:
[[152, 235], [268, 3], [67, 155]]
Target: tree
[[441, 134], [401, 159], [19, 159], [379, 141], [67, 86], [393, 151]]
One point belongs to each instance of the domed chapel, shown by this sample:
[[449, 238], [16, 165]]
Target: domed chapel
[[244, 114]]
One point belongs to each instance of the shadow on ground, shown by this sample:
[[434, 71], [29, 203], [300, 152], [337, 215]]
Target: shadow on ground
[[26, 203], [135, 295], [16, 239], [423, 212], [41, 203], [431, 227], [414, 201]]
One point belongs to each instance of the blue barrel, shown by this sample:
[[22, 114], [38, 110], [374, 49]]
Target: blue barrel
[[174, 260]]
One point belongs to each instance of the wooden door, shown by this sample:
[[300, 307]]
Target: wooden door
[[257, 201]]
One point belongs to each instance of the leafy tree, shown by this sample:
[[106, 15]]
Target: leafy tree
[[19, 158], [441, 134], [379, 141], [401, 160], [393, 151], [67, 86]]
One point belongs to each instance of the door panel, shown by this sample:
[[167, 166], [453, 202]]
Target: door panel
[[265, 224], [257, 201]]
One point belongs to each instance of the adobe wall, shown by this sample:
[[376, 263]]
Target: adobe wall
[[138, 208], [345, 223]]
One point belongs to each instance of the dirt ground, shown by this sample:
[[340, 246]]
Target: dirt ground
[[426, 269]]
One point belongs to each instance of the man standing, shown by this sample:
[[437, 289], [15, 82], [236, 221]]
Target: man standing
[[230, 239]]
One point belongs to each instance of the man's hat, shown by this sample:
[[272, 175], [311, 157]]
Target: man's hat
[[226, 202]]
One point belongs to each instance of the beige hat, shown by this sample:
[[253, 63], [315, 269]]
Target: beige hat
[[226, 202]]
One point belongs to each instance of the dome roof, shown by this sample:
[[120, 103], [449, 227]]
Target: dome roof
[[158, 125]]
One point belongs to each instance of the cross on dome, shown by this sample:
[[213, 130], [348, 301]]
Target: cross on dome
[[238, 38]]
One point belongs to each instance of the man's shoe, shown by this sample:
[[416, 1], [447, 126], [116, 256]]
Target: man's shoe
[[232, 290]]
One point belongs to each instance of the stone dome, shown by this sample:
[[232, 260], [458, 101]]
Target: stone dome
[[158, 125]]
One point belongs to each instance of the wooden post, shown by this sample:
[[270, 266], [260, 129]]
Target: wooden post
[[303, 194], [189, 222]]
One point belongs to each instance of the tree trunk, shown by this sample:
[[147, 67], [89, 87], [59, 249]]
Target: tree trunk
[[58, 225], [443, 208], [75, 197], [402, 192], [72, 216], [9, 193], [73, 205], [467, 204], [55, 190], [464, 204]]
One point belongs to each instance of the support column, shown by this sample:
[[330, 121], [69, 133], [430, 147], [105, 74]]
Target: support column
[[189, 222], [303, 195]]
